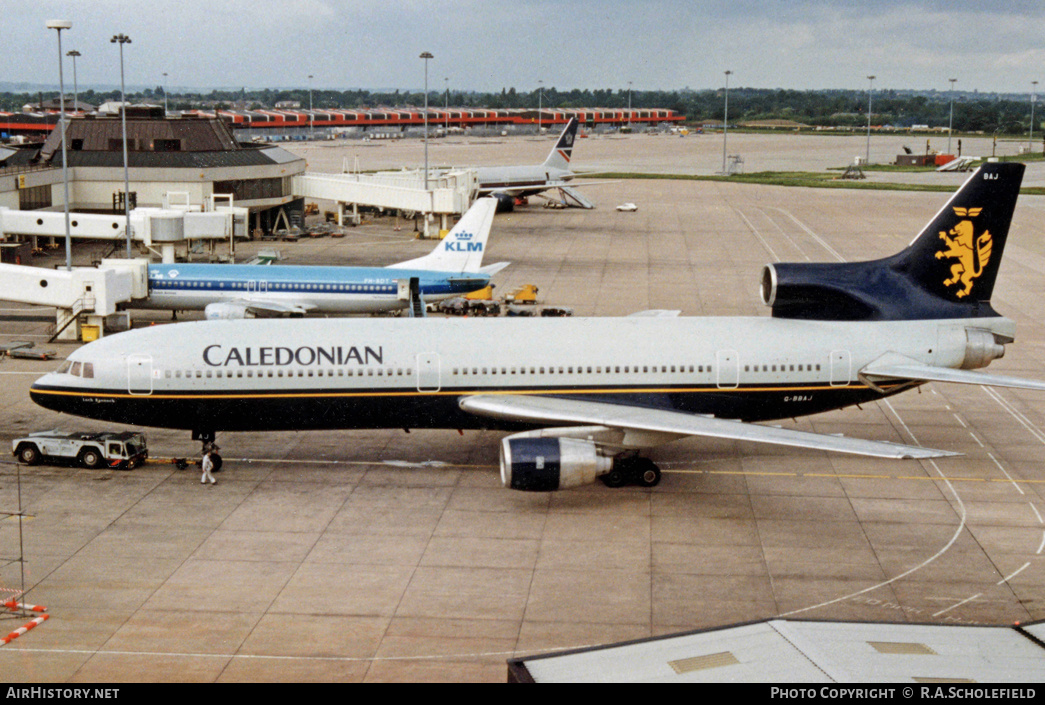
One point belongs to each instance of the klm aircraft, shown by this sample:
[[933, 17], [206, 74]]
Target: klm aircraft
[[582, 396], [229, 291]]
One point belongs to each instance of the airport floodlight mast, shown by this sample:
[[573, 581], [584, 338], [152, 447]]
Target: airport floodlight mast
[[122, 39], [870, 93], [446, 108], [76, 92], [59, 25], [725, 124], [540, 104], [1033, 97], [426, 56], [950, 125], [165, 95], [629, 105], [310, 134]]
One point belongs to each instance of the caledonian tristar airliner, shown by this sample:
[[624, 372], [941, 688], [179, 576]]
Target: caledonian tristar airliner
[[582, 395]]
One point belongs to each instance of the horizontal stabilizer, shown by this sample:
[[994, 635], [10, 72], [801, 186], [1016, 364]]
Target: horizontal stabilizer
[[492, 269], [559, 411], [903, 368]]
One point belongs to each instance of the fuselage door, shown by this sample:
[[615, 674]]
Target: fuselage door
[[727, 367], [139, 374], [841, 368], [428, 379]]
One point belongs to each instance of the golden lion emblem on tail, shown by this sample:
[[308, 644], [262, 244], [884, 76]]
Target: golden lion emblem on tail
[[972, 252]]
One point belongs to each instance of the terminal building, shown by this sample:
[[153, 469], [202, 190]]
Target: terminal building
[[197, 156]]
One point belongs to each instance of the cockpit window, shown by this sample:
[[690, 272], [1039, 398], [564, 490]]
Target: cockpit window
[[64, 368], [76, 369], [88, 370]]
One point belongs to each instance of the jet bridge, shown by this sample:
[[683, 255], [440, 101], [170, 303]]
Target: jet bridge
[[81, 296], [448, 193], [159, 229]]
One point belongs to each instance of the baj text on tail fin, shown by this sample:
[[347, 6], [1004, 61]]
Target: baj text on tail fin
[[957, 255], [947, 271]]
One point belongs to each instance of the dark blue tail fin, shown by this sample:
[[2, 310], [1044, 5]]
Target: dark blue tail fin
[[561, 153], [948, 271]]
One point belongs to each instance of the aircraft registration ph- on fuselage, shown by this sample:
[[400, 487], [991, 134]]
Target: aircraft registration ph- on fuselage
[[230, 291], [583, 394]]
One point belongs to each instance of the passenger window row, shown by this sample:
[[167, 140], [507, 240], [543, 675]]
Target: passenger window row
[[273, 286], [586, 369], [782, 368], [239, 374]]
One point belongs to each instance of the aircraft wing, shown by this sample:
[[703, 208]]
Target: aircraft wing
[[271, 306], [669, 424], [899, 367]]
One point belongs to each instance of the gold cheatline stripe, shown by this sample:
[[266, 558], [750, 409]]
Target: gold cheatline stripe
[[312, 395]]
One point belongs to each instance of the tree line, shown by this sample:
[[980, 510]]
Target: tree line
[[972, 112]]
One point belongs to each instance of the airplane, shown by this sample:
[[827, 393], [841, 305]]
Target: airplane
[[583, 396], [230, 291], [508, 183]]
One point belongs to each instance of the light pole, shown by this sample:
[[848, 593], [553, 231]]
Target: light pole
[[950, 125], [164, 95], [426, 56], [870, 94], [76, 92], [725, 124], [122, 39], [629, 106], [446, 108], [310, 134], [1033, 97], [59, 25], [540, 105]]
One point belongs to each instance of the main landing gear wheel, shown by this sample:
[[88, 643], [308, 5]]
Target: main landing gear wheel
[[633, 470]]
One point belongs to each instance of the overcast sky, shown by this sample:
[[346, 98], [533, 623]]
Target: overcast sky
[[488, 45]]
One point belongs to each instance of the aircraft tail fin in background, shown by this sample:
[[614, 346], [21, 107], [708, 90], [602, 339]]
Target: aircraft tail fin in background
[[948, 271], [559, 157], [463, 247]]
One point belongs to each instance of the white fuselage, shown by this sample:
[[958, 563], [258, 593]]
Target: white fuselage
[[409, 372]]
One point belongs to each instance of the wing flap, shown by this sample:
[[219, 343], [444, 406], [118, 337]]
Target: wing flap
[[556, 410]]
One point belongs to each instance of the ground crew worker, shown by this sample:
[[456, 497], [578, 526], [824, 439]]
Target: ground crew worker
[[208, 465]]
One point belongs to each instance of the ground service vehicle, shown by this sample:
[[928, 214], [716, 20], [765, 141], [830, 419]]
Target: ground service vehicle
[[124, 450]]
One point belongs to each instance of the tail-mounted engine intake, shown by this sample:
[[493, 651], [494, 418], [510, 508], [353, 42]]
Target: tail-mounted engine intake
[[548, 464]]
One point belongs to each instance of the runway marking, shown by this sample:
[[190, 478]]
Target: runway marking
[[1016, 414], [1006, 474], [957, 604], [1012, 575]]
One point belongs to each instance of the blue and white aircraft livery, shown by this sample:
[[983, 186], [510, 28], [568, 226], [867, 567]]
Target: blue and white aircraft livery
[[226, 291], [582, 395]]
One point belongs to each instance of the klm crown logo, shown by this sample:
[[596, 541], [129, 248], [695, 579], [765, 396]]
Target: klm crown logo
[[972, 252]]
